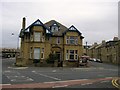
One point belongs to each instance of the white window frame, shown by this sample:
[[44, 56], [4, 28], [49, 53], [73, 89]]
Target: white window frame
[[54, 28], [37, 36], [71, 39], [67, 40], [75, 39], [71, 54], [38, 53], [67, 54], [42, 53], [75, 54]]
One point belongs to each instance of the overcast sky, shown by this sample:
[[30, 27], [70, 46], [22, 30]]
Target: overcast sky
[[97, 20]]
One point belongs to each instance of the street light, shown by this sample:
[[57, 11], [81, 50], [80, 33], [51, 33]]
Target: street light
[[86, 48], [17, 40]]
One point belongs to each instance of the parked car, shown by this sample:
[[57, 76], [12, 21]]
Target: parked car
[[98, 60], [84, 61], [92, 59]]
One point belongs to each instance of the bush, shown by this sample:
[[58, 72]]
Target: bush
[[52, 58]]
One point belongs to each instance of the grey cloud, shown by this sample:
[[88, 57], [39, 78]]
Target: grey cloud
[[93, 19]]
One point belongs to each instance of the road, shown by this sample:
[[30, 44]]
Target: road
[[97, 75]]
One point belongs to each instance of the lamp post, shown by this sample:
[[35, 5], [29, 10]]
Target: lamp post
[[17, 47], [86, 48]]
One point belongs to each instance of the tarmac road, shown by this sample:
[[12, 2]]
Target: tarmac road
[[97, 75]]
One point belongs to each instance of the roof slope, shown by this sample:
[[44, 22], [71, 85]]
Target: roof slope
[[36, 23], [62, 28], [72, 29]]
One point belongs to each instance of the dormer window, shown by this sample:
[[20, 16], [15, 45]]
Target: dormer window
[[37, 22], [54, 28], [72, 28]]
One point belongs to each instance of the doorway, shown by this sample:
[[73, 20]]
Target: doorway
[[60, 63]]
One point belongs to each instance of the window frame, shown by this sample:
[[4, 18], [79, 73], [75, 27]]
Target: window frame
[[37, 36], [73, 40], [42, 53], [67, 54], [71, 53], [58, 40], [54, 28]]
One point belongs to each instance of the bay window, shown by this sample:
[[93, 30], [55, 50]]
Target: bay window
[[71, 54]]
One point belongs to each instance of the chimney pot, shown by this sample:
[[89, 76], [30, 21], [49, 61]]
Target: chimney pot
[[23, 23]]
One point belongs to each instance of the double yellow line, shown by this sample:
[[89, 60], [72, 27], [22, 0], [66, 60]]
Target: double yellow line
[[115, 83]]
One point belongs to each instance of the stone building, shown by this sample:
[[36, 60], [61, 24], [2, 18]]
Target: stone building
[[106, 51], [39, 40]]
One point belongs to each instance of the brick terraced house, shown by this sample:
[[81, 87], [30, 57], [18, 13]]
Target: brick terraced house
[[40, 40]]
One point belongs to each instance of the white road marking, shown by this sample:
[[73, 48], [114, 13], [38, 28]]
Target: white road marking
[[46, 76], [109, 77], [12, 80], [26, 79], [54, 71], [33, 71], [104, 81], [30, 79], [66, 81], [86, 83], [17, 67], [4, 84], [83, 68], [49, 77], [18, 78], [8, 77], [7, 71], [59, 86]]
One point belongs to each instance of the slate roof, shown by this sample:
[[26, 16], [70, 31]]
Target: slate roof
[[72, 29], [36, 23], [111, 43], [61, 30]]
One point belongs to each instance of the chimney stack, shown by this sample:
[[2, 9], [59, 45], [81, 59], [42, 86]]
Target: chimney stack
[[115, 39], [103, 42], [23, 23]]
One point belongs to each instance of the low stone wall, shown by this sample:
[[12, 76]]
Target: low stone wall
[[18, 62], [70, 64]]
